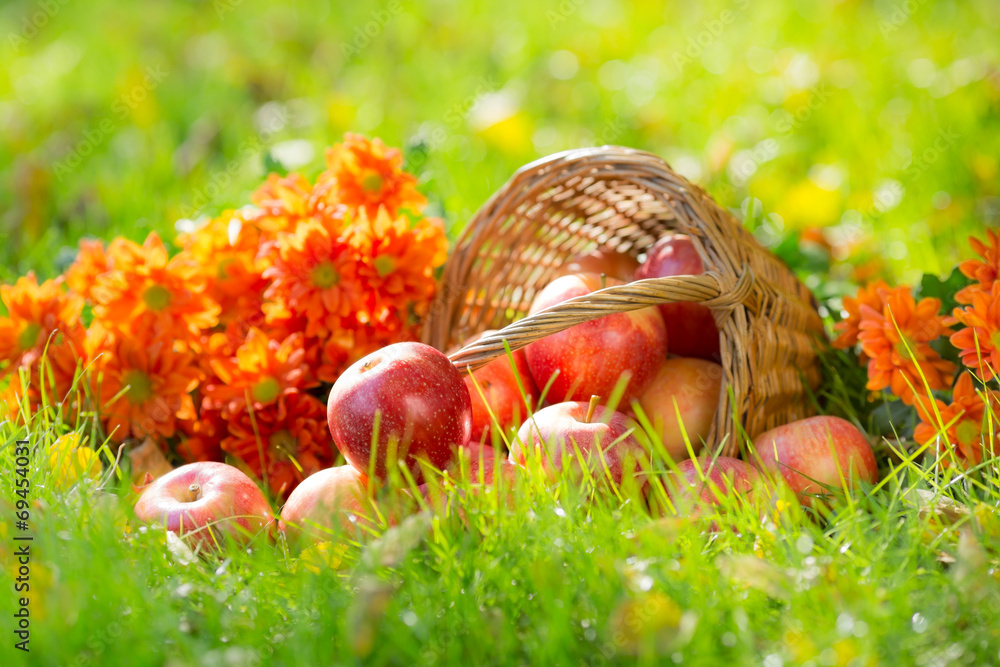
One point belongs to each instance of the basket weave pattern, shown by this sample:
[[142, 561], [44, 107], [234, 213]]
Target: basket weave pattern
[[567, 204]]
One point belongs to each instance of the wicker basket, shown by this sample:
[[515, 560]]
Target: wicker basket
[[567, 204]]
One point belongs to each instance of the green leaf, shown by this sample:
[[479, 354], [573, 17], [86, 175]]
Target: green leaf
[[932, 286]]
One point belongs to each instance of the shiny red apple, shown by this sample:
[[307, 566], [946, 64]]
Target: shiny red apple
[[691, 388], [327, 503], [816, 454], [590, 358], [606, 439], [690, 326], [206, 502], [604, 260], [415, 397], [497, 383]]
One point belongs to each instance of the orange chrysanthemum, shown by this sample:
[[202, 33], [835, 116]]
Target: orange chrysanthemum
[[399, 263], [365, 175], [961, 424], [284, 443], [984, 271], [143, 383], [263, 371], [42, 320], [225, 251], [896, 340], [202, 436], [978, 342], [147, 290], [91, 261], [314, 274], [849, 326]]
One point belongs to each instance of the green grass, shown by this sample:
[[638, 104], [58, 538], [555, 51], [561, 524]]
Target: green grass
[[902, 573]]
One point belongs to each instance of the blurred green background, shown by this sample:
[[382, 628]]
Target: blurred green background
[[877, 122]]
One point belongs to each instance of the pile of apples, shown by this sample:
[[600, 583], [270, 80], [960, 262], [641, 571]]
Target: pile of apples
[[406, 409]]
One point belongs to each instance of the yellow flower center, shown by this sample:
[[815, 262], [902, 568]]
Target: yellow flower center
[[156, 297], [325, 275], [967, 431], [29, 335], [907, 349], [222, 269], [266, 390], [281, 445], [384, 265], [995, 339], [371, 181], [140, 387]]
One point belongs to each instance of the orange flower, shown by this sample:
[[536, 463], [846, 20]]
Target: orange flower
[[314, 276], [42, 320], [366, 174], [983, 271], [204, 436], [225, 252], [979, 342], [399, 263], [263, 371], [961, 424], [146, 290], [896, 340], [91, 261], [848, 327], [284, 443], [153, 378], [284, 202]]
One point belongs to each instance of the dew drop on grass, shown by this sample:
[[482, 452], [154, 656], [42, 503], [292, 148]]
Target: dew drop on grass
[[845, 623], [919, 623], [804, 543], [409, 618], [728, 639], [590, 634], [560, 512]]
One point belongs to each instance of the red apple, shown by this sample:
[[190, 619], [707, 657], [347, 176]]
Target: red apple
[[204, 502], [815, 454], [497, 381], [604, 438], [690, 387], [331, 500], [590, 358], [717, 479], [604, 260], [690, 326], [417, 398]]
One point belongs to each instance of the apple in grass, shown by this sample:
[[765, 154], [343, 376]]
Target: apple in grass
[[691, 327], [477, 468], [690, 388], [205, 502], [704, 482], [497, 383], [328, 502], [592, 357], [816, 454], [404, 403], [560, 434]]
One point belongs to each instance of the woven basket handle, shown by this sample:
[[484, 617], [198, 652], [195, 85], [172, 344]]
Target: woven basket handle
[[710, 289]]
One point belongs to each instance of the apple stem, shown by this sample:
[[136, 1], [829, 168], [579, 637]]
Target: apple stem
[[194, 491], [594, 400], [604, 280]]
